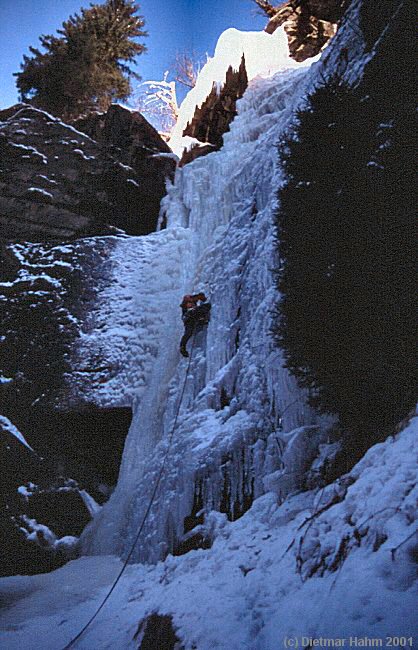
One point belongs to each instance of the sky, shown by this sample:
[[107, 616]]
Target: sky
[[172, 25]]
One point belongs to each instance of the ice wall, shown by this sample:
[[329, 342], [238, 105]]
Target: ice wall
[[132, 316], [238, 397]]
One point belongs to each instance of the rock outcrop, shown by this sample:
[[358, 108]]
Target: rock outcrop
[[38, 507], [138, 146], [309, 24], [57, 183], [212, 119]]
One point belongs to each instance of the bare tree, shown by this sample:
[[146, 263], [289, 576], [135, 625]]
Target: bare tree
[[266, 8], [157, 101], [186, 68]]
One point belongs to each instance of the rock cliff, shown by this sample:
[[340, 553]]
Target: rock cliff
[[139, 146], [309, 24], [47, 298], [58, 183]]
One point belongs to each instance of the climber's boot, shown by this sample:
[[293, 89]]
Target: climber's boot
[[183, 351]]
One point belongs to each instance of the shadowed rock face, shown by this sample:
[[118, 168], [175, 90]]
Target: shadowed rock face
[[32, 493], [57, 183], [45, 305], [137, 144], [309, 24], [47, 293]]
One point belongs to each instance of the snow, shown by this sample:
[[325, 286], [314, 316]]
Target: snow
[[10, 428], [30, 150], [122, 105], [25, 275], [49, 180], [81, 153], [25, 148], [26, 490], [51, 121], [248, 591], [91, 505], [170, 156], [126, 167], [67, 544], [35, 532], [39, 190], [264, 55], [43, 536], [133, 318]]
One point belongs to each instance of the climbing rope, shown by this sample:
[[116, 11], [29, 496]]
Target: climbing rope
[[148, 510]]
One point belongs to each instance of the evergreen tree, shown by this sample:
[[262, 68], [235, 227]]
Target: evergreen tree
[[345, 233], [87, 66]]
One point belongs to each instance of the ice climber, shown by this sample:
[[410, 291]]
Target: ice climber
[[196, 311]]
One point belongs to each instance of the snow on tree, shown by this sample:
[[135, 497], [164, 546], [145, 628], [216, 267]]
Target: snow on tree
[[157, 100]]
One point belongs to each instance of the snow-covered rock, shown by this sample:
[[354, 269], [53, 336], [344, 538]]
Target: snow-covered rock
[[250, 53], [9, 427], [37, 508]]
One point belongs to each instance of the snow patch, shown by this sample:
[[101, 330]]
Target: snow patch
[[83, 155], [91, 505], [39, 190], [10, 428], [26, 491]]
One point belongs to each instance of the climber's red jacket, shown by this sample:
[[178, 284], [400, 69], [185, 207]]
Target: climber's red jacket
[[191, 301]]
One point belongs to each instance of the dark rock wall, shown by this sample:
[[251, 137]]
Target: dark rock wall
[[32, 492], [212, 119], [46, 294], [309, 24], [57, 183], [43, 307], [137, 144]]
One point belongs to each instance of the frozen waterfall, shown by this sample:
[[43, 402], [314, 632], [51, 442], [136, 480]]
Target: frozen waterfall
[[238, 396]]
